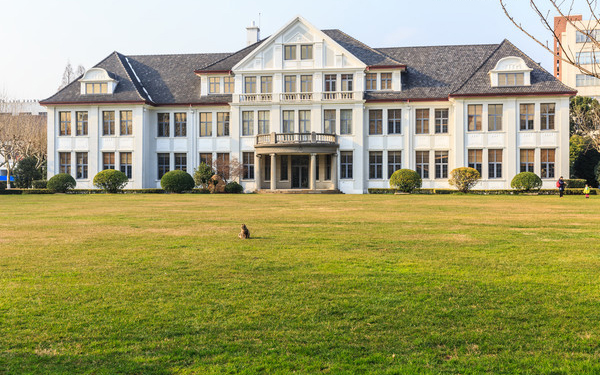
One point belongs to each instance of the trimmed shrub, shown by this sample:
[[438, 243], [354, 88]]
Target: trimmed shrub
[[464, 178], [39, 184], [177, 181], [405, 180], [2, 185], [526, 181], [234, 188], [25, 172], [61, 183], [202, 175], [110, 180], [575, 183]]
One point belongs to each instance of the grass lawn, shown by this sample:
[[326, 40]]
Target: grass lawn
[[160, 284]]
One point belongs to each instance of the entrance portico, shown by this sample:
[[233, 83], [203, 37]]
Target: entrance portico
[[296, 161]]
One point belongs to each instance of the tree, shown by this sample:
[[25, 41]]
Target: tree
[[464, 178], [69, 75], [26, 172], [202, 175]]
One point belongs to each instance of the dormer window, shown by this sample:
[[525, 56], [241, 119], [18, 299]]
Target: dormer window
[[97, 81], [510, 72], [214, 85]]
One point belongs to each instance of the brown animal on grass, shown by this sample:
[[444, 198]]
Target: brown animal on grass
[[245, 233]]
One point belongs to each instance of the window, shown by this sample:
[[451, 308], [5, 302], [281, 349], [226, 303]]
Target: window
[[330, 80], [582, 80], [587, 58], [475, 160], [65, 162], [228, 84], [206, 158], [494, 117], [65, 123], [329, 118], [289, 52], [386, 81], [164, 164], [108, 160], [327, 167], [304, 117], [289, 84], [248, 165], [96, 88], [394, 162], [108, 122], [423, 163], [250, 85], [222, 124], [205, 124], [163, 125], [306, 52], [511, 79], [266, 84], [81, 127], [394, 121], [126, 163], [547, 112], [283, 160], [222, 166], [375, 121], [126, 122], [181, 161], [547, 156], [526, 116], [267, 168], [264, 122], [422, 121], [371, 79], [581, 37], [81, 166], [346, 164], [495, 163], [306, 83], [441, 121], [288, 122], [527, 160], [214, 85], [441, 164], [347, 82], [345, 121], [474, 116], [247, 123], [181, 124]]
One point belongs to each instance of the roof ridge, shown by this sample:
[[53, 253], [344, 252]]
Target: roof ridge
[[479, 67], [369, 47], [129, 76], [443, 45], [181, 54]]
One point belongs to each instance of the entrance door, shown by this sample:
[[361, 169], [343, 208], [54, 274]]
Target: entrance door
[[300, 171]]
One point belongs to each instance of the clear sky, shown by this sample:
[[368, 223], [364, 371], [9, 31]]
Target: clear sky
[[39, 37]]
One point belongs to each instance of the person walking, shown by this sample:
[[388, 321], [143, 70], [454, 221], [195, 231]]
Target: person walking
[[560, 184], [586, 191]]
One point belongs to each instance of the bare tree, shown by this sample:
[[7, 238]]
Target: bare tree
[[80, 70], [68, 76], [230, 170]]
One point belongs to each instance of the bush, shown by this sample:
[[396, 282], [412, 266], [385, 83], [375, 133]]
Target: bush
[[110, 180], [526, 181], [464, 178], [234, 188], [405, 180], [597, 173], [61, 183], [202, 175], [25, 172], [2, 185], [39, 184], [177, 181], [575, 183]]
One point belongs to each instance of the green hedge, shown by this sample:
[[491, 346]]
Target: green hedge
[[483, 192], [575, 183]]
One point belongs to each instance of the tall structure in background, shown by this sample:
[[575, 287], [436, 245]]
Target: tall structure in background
[[314, 110], [581, 50]]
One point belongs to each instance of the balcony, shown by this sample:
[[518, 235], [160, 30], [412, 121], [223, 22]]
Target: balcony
[[255, 98], [296, 142], [299, 97]]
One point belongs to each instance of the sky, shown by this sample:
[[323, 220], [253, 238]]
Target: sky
[[39, 37]]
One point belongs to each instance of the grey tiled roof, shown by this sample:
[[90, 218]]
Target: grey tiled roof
[[228, 62], [364, 53]]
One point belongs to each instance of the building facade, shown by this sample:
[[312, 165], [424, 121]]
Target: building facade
[[309, 109], [577, 36]]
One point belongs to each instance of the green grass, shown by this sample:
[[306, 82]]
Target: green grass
[[160, 284]]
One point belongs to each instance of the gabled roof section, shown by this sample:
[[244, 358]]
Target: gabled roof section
[[228, 62], [542, 82], [369, 56]]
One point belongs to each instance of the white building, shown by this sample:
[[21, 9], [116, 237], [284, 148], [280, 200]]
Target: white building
[[317, 110]]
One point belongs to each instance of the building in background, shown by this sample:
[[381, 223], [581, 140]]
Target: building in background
[[581, 49], [314, 110]]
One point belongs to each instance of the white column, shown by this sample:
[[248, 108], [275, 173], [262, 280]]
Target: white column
[[313, 171], [273, 172]]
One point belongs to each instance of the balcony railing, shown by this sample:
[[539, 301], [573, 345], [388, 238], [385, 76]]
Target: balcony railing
[[254, 98], [300, 97], [296, 138], [296, 97]]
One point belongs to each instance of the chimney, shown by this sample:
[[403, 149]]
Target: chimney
[[252, 34]]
